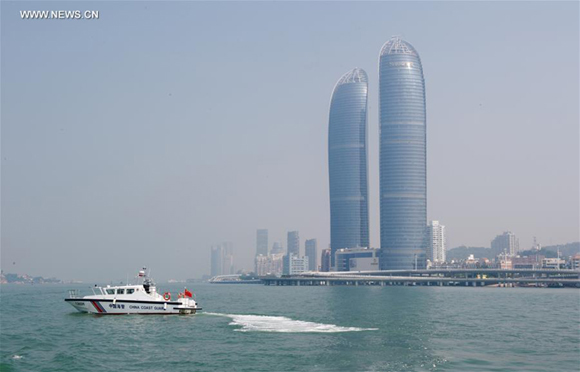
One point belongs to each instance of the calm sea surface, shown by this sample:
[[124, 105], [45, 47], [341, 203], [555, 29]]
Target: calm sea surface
[[258, 328]]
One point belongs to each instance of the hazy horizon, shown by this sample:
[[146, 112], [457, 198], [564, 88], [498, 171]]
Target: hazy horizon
[[146, 136]]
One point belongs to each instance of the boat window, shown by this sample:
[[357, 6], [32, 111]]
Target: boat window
[[130, 290], [121, 291], [110, 291]]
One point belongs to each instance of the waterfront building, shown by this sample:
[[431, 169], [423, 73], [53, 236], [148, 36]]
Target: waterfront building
[[357, 259], [261, 267], [276, 263], [347, 162], [437, 243], [262, 242], [325, 261], [294, 265], [293, 243], [505, 243], [271, 265], [310, 252], [403, 157]]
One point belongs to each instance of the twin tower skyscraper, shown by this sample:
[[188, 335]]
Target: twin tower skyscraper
[[403, 158]]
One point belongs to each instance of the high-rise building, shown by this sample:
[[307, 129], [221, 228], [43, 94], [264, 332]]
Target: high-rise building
[[216, 260], [310, 249], [269, 265], [228, 259], [347, 162], [437, 242], [262, 242], [277, 248], [261, 265], [222, 259], [403, 155], [505, 243], [325, 260], [276, 263], [293, 243]]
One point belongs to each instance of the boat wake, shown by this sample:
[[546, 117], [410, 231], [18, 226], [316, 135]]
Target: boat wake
[[264, 323]]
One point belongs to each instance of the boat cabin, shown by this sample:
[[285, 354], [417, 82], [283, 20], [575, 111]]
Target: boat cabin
[[124, 290]]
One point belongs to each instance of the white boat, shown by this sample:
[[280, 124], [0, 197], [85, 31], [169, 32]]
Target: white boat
[[133, 299]]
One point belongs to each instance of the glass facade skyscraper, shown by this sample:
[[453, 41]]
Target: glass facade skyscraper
[[262, 242], [310, 252], [347, 162], [293, 243], [403, 178]]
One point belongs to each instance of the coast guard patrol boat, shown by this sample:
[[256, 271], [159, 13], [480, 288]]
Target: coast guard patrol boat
[[133, 299]]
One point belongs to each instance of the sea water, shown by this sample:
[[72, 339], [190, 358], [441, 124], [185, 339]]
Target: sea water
[[259, 328]]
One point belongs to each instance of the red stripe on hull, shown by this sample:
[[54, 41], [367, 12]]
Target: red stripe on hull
[[107, 313], [96, 307]]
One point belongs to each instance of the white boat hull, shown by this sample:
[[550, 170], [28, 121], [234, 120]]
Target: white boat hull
[[117, 307]]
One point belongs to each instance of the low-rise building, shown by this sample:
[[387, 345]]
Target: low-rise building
[[505, 263], [527, 262], [472, 262], [553, 263], [357, 259], [293, 265]]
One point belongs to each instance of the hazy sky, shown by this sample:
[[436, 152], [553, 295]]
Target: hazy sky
[[143, 137]]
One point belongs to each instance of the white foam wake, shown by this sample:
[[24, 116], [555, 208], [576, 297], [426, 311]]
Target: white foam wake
[[264, 323]]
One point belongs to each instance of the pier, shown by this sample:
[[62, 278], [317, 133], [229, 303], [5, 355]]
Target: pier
[[438, 277]]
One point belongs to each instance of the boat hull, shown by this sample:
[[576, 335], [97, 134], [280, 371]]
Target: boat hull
[[117, 307]]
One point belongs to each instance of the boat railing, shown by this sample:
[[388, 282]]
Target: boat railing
[[73, 293], [99, 289]]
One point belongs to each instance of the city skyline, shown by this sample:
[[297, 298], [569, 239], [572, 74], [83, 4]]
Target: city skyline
[[151, 145]]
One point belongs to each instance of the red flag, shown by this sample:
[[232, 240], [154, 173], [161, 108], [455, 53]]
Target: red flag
[[187, 293]]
